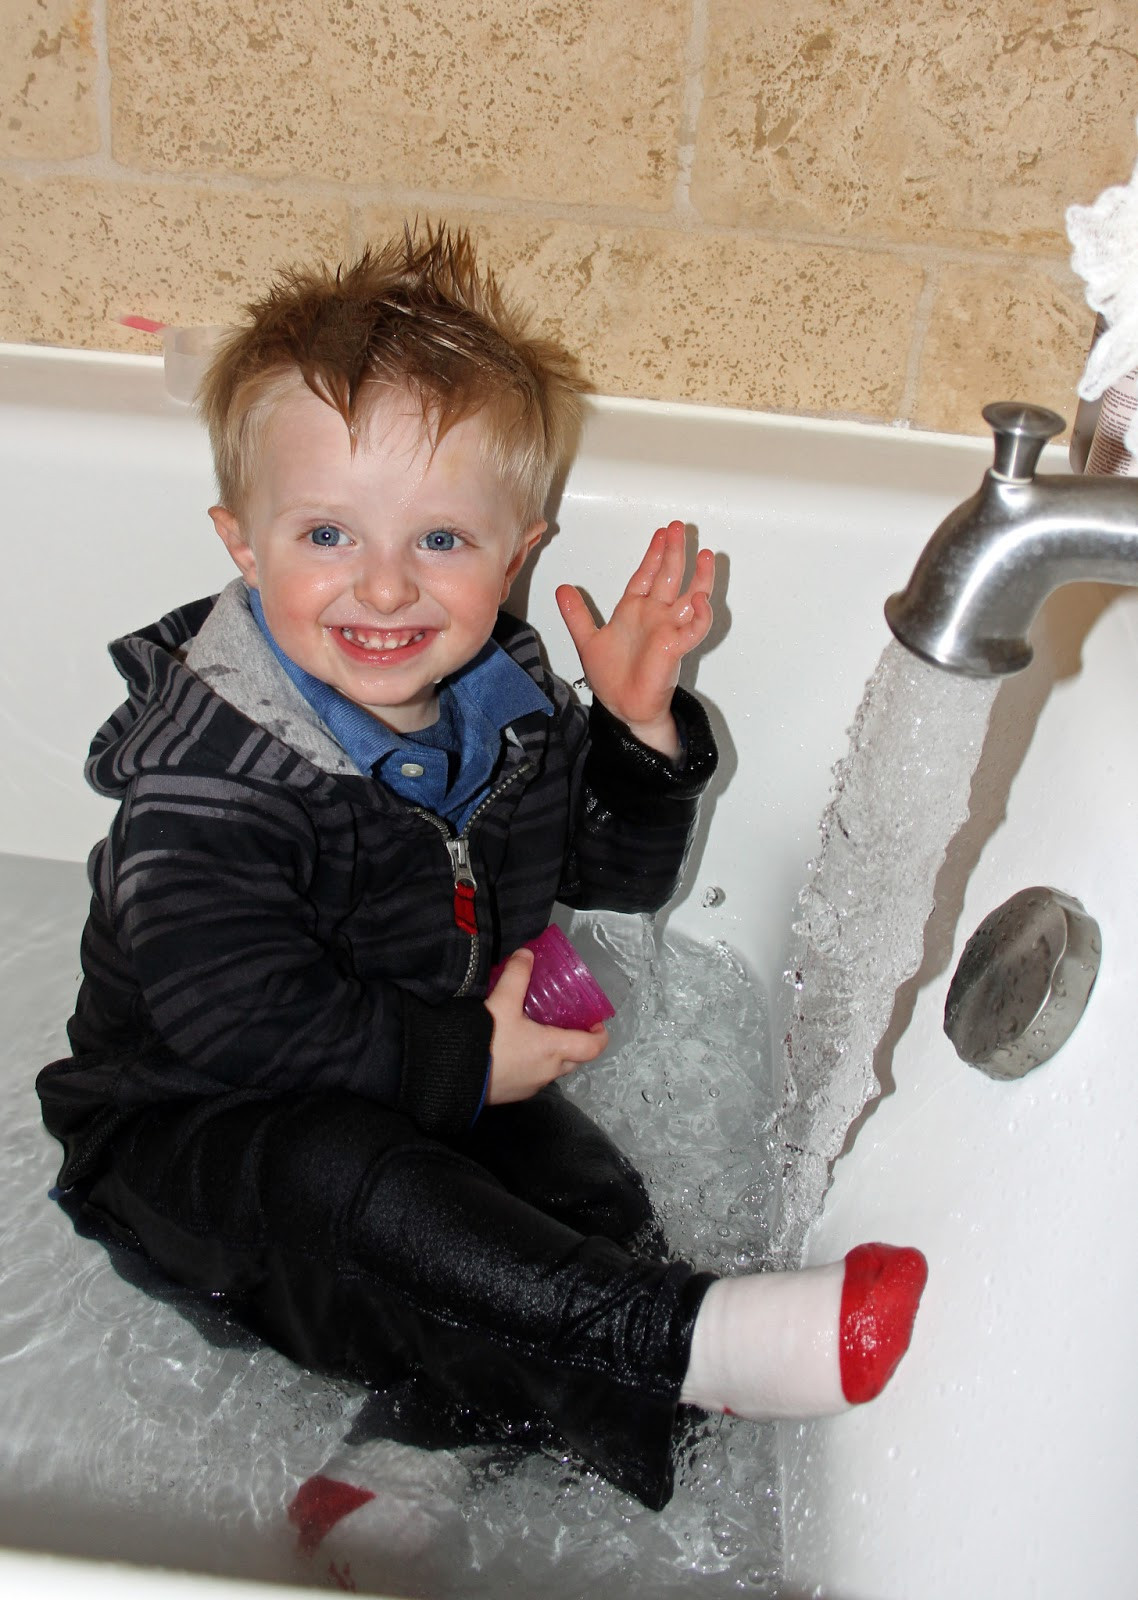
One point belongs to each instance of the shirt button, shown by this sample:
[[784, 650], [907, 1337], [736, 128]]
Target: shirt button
[[411, 769]]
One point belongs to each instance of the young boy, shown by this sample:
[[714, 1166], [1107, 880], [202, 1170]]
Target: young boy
[[348, 787]]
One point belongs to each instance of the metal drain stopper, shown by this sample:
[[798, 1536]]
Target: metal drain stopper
[[1023, 982]]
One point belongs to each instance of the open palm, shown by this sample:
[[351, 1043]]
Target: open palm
[[632, 662]]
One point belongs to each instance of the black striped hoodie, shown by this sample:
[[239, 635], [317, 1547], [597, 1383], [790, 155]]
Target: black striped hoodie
[[266, 919]]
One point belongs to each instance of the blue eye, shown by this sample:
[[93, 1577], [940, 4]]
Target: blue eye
[[325, 537], [440, 539]]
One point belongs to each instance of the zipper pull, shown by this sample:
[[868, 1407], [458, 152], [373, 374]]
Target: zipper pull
[[464, 886]]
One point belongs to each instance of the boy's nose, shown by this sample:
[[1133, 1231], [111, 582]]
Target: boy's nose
[[386, 586]]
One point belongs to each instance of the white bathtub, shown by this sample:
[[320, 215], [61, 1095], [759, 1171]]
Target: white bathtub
[[1003, 1459]]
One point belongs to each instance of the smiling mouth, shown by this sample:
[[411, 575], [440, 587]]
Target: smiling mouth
[[381, 643]]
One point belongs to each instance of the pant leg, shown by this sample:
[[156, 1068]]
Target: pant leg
[[548, 1151], [355, 1244]]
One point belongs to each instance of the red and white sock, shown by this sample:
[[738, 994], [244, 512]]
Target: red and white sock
[[382, 1518], [805, 1344]]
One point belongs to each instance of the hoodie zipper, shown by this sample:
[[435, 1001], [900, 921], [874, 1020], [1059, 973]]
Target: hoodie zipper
[[465, 884], [462, 871]]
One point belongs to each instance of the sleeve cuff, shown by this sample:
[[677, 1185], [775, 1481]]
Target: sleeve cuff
[[446, 1049], [622, 771]]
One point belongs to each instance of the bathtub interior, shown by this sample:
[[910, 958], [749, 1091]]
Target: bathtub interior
[[1010, 1189], [1010, 1468]]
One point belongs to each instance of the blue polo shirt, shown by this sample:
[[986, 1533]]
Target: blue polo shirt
[[447, 767]]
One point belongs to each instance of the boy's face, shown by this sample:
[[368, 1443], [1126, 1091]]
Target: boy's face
[[380, 572]]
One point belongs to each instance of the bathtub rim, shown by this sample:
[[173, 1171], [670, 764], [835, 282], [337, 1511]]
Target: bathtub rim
[[838, 425]]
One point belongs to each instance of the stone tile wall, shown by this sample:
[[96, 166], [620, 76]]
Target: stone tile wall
[[831, 207]]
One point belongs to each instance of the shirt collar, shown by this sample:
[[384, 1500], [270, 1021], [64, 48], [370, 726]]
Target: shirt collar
[[489, 693]]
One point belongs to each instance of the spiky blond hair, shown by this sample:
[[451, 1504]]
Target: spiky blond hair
[[418, 316]]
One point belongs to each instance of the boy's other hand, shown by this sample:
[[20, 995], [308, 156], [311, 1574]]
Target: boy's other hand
[[525, 1055], [632, 663]]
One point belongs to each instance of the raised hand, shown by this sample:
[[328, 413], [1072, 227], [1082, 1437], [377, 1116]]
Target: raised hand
[[633, 661]]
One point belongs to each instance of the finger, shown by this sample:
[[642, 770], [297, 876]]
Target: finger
[[702, 584], [575, 614], [514, 982], [703, 581], [644, 577], [702, 618], [661, 572], [576, 1045], [694, 617], [670, 578]]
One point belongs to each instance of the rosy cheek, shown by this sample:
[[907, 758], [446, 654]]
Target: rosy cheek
[[300, 591]]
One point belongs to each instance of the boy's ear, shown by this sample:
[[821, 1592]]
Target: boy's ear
[[229, 532], [520, 556]]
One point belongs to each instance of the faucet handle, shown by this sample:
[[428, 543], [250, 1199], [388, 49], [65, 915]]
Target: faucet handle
[[1020, 432]]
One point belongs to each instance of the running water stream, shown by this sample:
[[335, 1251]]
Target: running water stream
[[899, 797]]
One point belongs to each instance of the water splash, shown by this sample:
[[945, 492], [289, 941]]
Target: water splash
[[137, 1423], [899, 797], [686, 1086]]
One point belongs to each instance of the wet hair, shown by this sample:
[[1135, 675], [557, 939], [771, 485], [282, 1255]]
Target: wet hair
[[415, 316]]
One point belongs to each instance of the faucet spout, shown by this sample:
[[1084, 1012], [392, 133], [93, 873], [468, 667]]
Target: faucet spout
[[991, 564]]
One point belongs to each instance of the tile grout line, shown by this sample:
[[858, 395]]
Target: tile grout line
[[695, 62], [102, 85], [922, 317], [357, 196]]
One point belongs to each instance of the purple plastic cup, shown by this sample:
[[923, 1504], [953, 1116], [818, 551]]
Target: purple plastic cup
[[562, 991]]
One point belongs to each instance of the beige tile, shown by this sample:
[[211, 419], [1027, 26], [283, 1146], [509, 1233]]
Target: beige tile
[[715, 318], [47, 78], [75, 255], [574, 100], [1001, 333], [966, 123]]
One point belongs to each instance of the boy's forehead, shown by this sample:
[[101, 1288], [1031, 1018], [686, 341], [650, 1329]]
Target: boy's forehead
[[385, 418], [304, 435], [294, 410]]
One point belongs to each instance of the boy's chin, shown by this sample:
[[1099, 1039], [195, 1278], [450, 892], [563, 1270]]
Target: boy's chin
[[407, 717]]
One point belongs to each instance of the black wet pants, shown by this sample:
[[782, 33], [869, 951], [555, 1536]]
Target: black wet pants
[[507, 1269]]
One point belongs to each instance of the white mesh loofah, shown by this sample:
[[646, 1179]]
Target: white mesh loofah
[[1104, 239]]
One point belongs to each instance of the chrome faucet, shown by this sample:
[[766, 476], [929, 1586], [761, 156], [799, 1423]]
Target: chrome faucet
[[988, 568]]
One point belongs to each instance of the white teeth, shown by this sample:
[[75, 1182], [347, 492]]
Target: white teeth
[[379, 641]]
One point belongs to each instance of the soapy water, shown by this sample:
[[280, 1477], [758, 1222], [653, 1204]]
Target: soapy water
[[138, 1423], [899, 797]]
